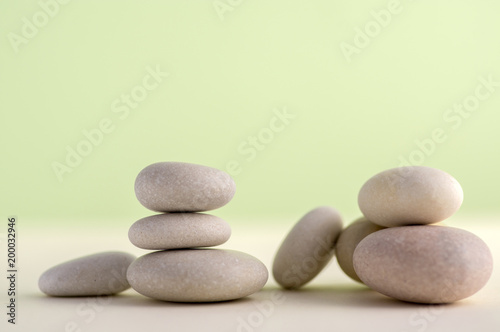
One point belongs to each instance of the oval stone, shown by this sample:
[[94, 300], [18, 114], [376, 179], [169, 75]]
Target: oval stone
[[348, 241], [424, 264], [409, 196], [197, 275], [183, 187], [99, 274], [307, 248], [179, 230]]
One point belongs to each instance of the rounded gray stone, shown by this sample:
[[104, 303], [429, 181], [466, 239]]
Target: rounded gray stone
[[424, 264], [197, 275], [409, 196], [308, 247], [94, 275], [183, 187], [179, 230], [348, 241]]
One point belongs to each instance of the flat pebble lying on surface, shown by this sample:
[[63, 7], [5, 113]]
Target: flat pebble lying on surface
[[98, 274], [349, 239], [410, 195], [424, 264], [183, 187], [307, 248], [179, 230], [197, 275]]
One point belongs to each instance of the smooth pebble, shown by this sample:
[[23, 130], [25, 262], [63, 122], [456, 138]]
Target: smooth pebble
[[197, 275], [179, 230], [307, 248], [410, 195], [94, 275], [349, 239], [424, 264], [183, 187]]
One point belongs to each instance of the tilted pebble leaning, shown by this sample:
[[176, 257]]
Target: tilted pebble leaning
[[349, 239], [308, 247], [411, 260], [180, 273]]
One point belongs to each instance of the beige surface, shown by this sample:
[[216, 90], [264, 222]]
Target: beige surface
[[331, 302]]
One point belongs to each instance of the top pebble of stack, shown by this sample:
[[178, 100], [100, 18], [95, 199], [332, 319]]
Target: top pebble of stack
[[183, 187], [412, 195]]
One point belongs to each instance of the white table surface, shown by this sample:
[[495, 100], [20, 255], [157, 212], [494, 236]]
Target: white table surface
[[331, 302]]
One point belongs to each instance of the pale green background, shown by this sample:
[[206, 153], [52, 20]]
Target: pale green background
[[226, 77]]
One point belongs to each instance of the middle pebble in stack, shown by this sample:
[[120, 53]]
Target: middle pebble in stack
[[181, 191]]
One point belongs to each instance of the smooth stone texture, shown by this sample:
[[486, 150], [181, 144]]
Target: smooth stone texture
[[307, 248], [94, 275], [349, 239], [197, 275], [183, 187], [179, 230], [409, 196], [424, 264]]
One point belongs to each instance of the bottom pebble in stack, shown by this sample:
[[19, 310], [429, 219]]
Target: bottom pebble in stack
[[197, 275]]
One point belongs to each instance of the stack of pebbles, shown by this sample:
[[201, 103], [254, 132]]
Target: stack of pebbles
[[398, 250], [181, 271]]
